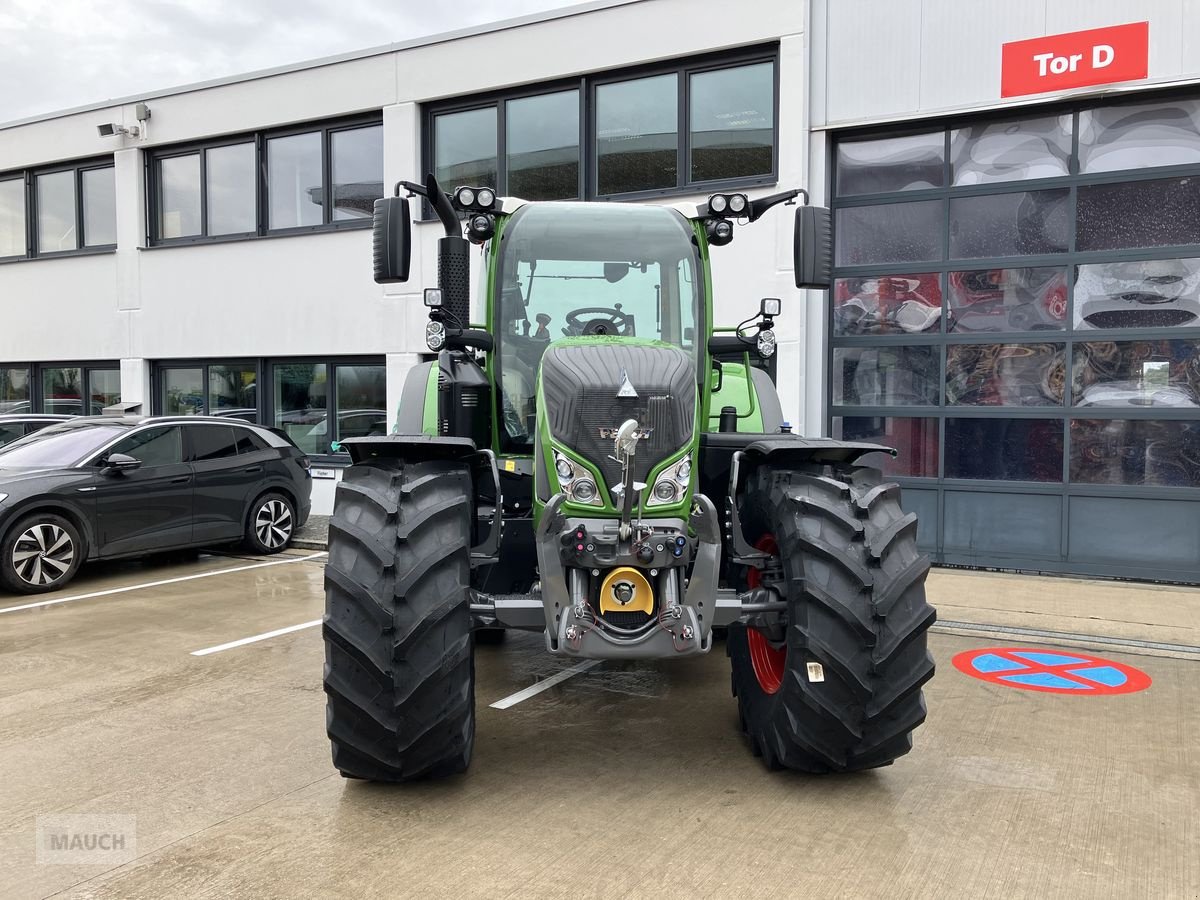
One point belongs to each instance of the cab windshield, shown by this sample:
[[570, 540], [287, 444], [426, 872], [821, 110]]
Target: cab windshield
[[580, 269]]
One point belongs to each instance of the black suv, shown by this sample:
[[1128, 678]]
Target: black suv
[[14, 427], [103, 487]]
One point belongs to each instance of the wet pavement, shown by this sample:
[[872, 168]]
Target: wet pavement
[[622, 780]]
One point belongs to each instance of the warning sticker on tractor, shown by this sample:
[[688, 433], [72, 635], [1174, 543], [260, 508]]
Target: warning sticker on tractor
[[1051, 671]]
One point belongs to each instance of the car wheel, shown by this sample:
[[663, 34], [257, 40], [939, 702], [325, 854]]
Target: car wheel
[[40, 553], [271, 524]]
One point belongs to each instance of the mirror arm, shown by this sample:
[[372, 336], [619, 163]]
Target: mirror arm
[[438, 199], [762, 204]]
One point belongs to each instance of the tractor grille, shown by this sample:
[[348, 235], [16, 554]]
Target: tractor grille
[[580, 385]]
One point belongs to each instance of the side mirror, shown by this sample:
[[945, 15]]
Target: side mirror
[[812, 249], [120, 462], [392, 239]]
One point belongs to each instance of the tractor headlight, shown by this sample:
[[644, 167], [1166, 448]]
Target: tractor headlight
[[485, 197], [671, 483], [435, 336], [465, 197], [766, 343], [737, 203], [717, 203], [575, 481]]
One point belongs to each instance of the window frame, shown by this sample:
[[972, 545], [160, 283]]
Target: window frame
[[332, 364], [325, 128], [587, 84], [29, 177], [37, 399], [160, 367]]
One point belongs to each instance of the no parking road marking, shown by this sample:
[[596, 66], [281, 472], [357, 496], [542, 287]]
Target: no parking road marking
[[1052, 672]]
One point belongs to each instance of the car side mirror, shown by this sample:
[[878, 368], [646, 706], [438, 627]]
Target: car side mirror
[[120, 462], [812, 247], [391, 237]]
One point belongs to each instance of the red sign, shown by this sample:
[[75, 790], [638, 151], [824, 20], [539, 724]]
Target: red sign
[[1059, 62], [1051, 671]]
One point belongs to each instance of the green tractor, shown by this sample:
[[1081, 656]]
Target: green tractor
[[603, 467]]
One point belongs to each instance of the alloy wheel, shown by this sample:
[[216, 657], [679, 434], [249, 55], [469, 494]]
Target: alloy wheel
[[273, 524], [43, 554]]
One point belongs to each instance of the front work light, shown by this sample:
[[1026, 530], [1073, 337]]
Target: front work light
[[737, 204], [480, 228], [770, 307], [720, 232], [474, 199], [433, 298], [435, 336], [766, 343]]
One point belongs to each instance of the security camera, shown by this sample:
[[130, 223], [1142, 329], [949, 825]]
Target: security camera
[[106, 130]]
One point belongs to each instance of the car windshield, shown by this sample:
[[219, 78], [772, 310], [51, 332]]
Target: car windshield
[[577, 269], [57, 446]]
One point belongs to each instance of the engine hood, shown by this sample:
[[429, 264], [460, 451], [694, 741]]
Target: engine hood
[[591, 385]]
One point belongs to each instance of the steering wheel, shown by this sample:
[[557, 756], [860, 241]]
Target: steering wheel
[[598, 320]]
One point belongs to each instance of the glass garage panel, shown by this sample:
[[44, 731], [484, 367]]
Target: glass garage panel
[[179, 196], [887, 304], [230, 180], [637, 135], [301, 392], [1011, 151], [1005, 374], [62, 391], [56, 212], [14, 390], [732, 121], [182, 392], [1020, 224], [1156, 293], [1160, 213], [1135, 452], [295, 185], [1137, 374], [895, 232], [464, 148], [542, 146], [1004, 449], [99, 207], [12, 217], [886, 376], [909, 163], [1139, 136], [915, 440], [1029, 299], [357, 164]]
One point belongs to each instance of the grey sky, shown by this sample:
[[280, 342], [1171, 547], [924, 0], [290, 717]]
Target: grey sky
[[74, 52]]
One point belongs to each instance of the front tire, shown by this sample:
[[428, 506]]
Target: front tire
[[41, 553], [270, 525], [854, 583], [399, 667]]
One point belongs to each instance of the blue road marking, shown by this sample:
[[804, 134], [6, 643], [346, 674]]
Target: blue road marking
[[1045, 679], [1049, 659], [1105, 675], [990, 662]]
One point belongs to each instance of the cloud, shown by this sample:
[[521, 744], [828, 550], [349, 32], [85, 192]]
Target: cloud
[[75, 52]]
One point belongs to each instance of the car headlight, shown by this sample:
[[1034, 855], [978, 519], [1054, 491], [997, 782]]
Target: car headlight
[[575, 481], [672, 483]]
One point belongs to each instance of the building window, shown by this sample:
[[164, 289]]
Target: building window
[[71, 389], [15, 393], [208, 389], [69, 209], [674, 128], [325, 176], [320, 402]]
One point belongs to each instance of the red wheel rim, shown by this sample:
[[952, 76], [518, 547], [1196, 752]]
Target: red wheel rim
[[766, 661]]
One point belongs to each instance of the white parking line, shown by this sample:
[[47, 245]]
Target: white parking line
[[163, 582], [258, 637], [534, 689]]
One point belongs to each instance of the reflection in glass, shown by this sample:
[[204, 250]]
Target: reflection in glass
[[14, 389], [1156, 293], [542, 144], [99, 207], [885, 376], [915, 440], [301, 391], [231, 194], [233, 391], [361, 401], [637, 135], [1159, 213], [56, 212], [1137, 373], [1009, 151], [357, 171], [182, 392], [1004, 449], [887, 304], [179, 196], [905, 163], [1005, 374], [1033, 299], [12, 217], [464, 148], [732, 122], [104, 389], [896, 232], [1017, 224], [1137, 137], [62, 391], [295, 187], [1135, 452]]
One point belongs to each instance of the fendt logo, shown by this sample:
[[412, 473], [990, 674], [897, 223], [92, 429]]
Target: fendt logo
[[1059, 62], [611, 433]]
